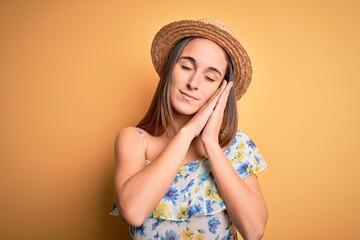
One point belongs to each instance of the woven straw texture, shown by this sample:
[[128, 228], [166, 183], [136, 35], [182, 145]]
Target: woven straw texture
[[166, 39]]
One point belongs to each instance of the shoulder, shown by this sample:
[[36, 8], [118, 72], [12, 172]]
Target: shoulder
[[127, 133], [129, 139], [242, 142], [245, 155], [242, 137]]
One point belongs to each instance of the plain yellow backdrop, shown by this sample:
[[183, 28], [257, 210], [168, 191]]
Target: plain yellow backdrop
[[73, 73]]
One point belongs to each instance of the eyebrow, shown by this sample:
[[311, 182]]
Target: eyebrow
[[191, 59]]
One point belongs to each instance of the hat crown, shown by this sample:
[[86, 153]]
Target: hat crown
[[214, 30], [218, 24]]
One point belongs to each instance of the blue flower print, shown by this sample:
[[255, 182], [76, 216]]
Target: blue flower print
[[193, 166], [251, 144], [184, 199], [228, 237], [242, 169], [227, 151], [114, 206], [258, 159], [209, 209], [187, 210], [203, 176], [157, 223], [170, 235], [176, 180], [140, 230], [235, 140], [213, 224], [186, 176], [186, 189], [195, 209], [171, 195]]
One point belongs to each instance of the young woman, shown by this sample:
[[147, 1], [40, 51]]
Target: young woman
[[185, 171]]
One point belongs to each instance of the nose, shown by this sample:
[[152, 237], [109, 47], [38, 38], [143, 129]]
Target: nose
[[193, 82]]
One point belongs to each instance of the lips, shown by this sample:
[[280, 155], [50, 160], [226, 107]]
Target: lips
[[188, 96]]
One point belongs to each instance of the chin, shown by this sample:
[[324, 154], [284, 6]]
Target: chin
[[186, 110]]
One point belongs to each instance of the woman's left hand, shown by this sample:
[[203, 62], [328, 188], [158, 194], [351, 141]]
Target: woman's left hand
[[211, 130]]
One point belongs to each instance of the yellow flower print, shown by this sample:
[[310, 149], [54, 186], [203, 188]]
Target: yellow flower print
[[188, 234], [183, 213], [162, 210], [209, 192], [241, 146], [253, 168], [200, 237], [195, 190], [239, 155], [216, 197], [250, 170], [181, 170], [256, 165]]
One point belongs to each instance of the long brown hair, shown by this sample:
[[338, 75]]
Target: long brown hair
[[160, 113]]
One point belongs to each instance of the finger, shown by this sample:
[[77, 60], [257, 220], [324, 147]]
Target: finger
[[212, 101], [229, 85], [218, 91], [225, 87], [220, 107], [218, 112]]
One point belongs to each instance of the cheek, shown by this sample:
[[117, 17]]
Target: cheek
[[211, 90], [175, 80]]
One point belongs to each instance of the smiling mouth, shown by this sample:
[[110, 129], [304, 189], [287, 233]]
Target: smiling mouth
[[188, 97]]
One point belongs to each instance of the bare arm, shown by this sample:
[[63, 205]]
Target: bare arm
[[138, 188], [135, 183], [244, 201]]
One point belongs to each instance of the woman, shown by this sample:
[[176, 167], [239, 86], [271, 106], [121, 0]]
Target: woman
[[186, 172]]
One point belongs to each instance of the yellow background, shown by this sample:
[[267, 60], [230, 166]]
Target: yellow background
[[73, 73]]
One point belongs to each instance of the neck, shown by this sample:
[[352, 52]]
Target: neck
[[196, 149], [179, 122]]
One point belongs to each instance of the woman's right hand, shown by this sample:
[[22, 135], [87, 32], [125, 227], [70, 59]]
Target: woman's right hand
[[199, 120]]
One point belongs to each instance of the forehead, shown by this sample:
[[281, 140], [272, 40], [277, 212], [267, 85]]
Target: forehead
[[206, 52]]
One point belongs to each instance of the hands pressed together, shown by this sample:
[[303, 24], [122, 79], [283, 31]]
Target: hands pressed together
[[207, 121]]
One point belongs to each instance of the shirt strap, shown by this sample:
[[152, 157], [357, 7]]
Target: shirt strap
[[143, 137]]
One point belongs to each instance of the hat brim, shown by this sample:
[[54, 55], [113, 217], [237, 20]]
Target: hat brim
[[166, 39]]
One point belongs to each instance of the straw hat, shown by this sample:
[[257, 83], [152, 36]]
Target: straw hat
[[166, 39]]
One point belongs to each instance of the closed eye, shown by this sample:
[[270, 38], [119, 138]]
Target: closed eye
[[185, 67], [209, 78]]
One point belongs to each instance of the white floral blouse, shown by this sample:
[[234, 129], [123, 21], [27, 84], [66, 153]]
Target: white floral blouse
[[192, 208]]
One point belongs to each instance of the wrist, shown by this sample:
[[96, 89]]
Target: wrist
[[210, 143], [187, 132]]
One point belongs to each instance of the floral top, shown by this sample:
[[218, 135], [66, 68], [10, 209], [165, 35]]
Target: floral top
[[192, 208]]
